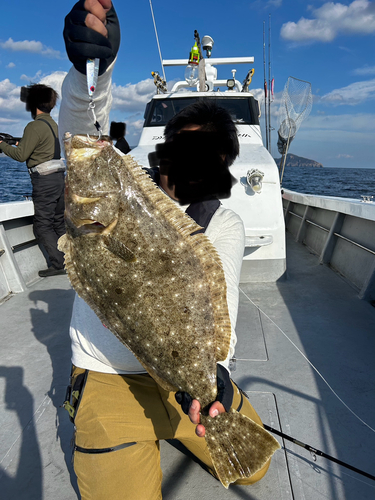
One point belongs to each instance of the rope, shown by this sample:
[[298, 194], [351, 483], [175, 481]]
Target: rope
[[157, 39], [312, 366]]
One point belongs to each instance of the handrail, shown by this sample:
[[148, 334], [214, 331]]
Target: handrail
[[335, 234]]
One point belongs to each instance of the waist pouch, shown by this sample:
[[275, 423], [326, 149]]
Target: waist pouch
[[74, 393], [49, 167]]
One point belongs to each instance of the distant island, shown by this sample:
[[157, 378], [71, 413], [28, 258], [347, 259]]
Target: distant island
[[298, 161]]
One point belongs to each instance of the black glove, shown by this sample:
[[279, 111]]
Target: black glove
[[224, 391], [84, 43]]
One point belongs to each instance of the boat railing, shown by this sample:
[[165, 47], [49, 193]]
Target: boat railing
[[340, 232], [20, 254]]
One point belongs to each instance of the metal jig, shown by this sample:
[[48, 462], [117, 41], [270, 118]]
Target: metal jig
[[92, 72]]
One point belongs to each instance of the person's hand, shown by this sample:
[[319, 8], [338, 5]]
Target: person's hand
[[96, 17], [223, 403], [92, 30], [194, 414]]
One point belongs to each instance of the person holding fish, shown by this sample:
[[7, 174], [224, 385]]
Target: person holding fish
[[120, 412]]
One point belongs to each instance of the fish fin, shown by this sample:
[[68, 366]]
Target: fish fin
[[65, 246], [62, 243], [184, 224], [118, 249], [201, 246], [213, 269], [238, 446]]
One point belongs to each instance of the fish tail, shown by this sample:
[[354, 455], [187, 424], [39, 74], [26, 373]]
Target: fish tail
[[238, 446]]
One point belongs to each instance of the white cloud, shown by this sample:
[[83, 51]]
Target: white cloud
[[31, 79], [11, 65], [54, 80], [365, 70], [359, 123], [331, 20], [132, 97], [31, 46], [14, 118], [344, 155], [352, 94], [9, 98]]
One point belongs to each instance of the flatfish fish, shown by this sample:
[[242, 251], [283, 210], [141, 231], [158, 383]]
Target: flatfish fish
[[134, 257]]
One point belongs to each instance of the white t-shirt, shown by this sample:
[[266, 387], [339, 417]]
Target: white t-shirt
[[94, 347]]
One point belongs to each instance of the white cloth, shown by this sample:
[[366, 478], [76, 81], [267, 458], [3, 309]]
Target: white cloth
[[74, 116], [94, 347]]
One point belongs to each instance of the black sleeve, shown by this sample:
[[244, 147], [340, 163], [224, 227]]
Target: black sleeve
[[224, 391], [83, 43]]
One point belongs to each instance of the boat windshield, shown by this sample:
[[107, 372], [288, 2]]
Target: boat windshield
[[242, 110]]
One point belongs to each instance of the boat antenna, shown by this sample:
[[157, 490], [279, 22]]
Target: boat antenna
[[157, 39], [265, 84], [296, 104], [270, 84]]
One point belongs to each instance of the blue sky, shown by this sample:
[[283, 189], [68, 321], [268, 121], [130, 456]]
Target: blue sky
[[330, 44]]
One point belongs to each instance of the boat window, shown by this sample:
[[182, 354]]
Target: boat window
[[160, 111]]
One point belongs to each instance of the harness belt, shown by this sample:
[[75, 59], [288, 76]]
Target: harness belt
[[48, 167]]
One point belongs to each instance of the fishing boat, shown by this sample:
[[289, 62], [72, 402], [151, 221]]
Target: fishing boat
[[306, 329]]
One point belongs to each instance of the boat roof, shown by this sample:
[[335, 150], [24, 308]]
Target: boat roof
[[312, 318]]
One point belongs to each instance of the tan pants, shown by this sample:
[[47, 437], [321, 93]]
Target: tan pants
[[118, 409]]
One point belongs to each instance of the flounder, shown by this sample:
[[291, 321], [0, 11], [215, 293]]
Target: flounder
[[132, 255]]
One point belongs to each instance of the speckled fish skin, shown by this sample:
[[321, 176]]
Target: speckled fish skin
[[130, 254]]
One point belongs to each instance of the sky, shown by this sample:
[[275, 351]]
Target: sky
[[329, 44]]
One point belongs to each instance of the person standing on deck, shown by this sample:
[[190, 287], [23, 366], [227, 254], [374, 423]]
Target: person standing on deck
[[40, 148], [120, 413], [117, 132]]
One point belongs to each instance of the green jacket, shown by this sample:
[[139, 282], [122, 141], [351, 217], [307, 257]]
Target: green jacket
[[37, 144]]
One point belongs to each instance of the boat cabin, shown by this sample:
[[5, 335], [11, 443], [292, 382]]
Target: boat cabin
[[258, 187]]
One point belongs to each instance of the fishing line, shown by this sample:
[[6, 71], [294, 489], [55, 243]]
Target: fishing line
[[312, 366], [157, 40]]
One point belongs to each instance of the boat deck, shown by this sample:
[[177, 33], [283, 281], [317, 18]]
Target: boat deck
[[314, 313]]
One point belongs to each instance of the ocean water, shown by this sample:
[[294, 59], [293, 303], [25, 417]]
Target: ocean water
[[343, 182], [15, 182]]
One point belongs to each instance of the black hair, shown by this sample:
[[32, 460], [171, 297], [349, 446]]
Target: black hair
[[211, 118], [117, 130], [200, 144], [41, 97]]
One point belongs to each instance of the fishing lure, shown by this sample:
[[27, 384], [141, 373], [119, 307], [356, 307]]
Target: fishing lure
[[92, 72]]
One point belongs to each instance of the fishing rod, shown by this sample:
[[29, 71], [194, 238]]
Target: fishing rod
[[317, 452], [269, 83], [157, 40]]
